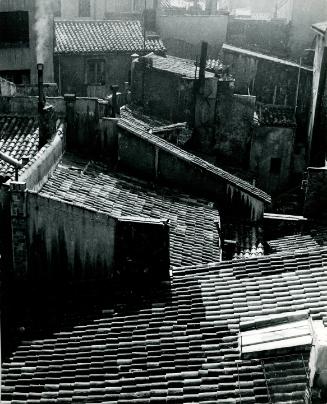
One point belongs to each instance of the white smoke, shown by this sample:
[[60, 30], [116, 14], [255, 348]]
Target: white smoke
[[42, 28]]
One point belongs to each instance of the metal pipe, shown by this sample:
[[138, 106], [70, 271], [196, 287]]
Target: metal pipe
[[41, 102]]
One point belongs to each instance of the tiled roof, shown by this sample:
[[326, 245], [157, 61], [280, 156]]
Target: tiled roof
[[18, 138], [193, 231], [179, 66], [90, 37], [309, 239], [181, 345], [272, 115], [197, 161]]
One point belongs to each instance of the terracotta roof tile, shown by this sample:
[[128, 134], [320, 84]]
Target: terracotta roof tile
[[180, 345], [81, 36], [18, 137], [193, 233]]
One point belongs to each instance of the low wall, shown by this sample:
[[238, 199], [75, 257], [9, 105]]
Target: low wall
[[38, 170]]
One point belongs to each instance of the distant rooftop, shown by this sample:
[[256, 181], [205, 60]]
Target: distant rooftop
[[91, 37]]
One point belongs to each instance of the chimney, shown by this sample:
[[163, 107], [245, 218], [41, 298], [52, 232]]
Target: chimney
[[47, 120], [203, 63], [114, 106], [41, 102]]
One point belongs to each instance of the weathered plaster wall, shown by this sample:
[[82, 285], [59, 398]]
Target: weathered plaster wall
[[268, 143], [26, 58], [235, 120], [71, 74], [166, 95], [182, 34], [68, 241]]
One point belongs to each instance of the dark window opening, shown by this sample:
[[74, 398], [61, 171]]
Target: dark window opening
[[96, 72], [275, 165], [14, 29], [84, 8], [17, 76]]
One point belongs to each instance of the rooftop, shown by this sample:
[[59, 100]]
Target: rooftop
[[92, 37], [18, 137], [193, 228], [179, 66], [181, 344]]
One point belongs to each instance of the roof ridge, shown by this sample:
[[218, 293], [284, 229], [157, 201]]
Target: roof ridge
[[202, 268]]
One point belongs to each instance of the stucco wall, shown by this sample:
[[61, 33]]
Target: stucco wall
[[182, 34]]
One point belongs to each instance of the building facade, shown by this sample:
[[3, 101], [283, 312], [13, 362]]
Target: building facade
[[23, 43]]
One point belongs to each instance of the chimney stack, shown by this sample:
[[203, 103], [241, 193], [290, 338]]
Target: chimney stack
[[47, 119], [203, 63], [114, 106], [41, 103]]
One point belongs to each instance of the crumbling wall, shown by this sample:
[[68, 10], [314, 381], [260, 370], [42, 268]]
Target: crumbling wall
[[7, 88], [68, 241]]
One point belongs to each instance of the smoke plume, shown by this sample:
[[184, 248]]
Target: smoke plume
[[42, 28]]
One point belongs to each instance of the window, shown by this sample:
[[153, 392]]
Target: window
[[14, 29], [17, 76], [275, 165], [96, 72], [84, 8]]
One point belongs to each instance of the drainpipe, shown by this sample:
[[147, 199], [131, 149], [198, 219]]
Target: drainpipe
[[114, 89]]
